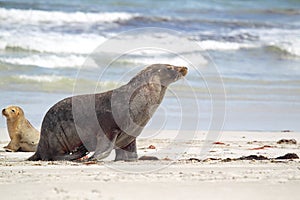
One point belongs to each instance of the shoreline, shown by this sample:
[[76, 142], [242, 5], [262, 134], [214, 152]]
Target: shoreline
[[198, 134]]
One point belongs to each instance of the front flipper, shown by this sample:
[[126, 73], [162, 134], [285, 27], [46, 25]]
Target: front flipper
[[13, 146], [128, 153], [104, 147]]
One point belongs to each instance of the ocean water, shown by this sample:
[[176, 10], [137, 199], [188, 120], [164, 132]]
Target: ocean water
[[251, 48]]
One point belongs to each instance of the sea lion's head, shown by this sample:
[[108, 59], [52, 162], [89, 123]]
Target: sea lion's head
[[164, 73], [12, 112]]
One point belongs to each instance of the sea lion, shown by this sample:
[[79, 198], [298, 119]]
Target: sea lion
[[24, 137], [105, 121]]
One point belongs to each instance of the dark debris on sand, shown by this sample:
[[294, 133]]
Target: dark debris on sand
[[148, 158], [288, 156], [287, 141]]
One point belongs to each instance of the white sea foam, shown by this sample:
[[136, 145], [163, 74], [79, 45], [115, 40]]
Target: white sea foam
[[223, 46], [64, 83], [57, 17], [47, 61], [178, 61], [51, 42], [149, 61], [150, 56], [41, 78], [284, 39]]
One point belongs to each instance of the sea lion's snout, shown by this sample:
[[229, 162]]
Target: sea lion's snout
[[3, 111], [183, 70]]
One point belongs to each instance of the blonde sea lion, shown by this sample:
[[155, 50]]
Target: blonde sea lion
[[24, 137], [105, 121]]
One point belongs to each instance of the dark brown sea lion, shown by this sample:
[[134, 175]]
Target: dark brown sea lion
[[105, 121], [24, 137]]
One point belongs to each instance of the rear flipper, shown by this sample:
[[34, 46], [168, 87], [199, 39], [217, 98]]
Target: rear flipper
[[24, 146], [76, 154], [80, 152], [128, 153]]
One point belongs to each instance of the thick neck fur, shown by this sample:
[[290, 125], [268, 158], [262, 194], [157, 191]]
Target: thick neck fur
[[13, 124], [144, 100], [134, 103]]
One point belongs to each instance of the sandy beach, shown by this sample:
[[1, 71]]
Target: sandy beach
[[224, 173], [243, 78]]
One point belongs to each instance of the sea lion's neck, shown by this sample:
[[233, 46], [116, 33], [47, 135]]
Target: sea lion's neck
[[13, 124], [145, 101], [162, 93], [11, 121]]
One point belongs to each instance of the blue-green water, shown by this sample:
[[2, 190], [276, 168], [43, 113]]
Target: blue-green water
[[254, 44]]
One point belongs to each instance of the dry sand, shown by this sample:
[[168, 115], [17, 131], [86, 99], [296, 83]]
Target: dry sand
[[174, 176]]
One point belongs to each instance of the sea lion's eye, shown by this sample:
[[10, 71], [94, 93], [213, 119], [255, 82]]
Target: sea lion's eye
[[13, 110]]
